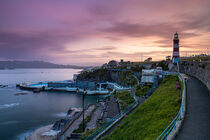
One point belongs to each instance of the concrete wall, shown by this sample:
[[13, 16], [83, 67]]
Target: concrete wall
[[115, 77], [201, 70]]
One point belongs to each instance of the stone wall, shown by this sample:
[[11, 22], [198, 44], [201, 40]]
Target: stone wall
[[200, 70]]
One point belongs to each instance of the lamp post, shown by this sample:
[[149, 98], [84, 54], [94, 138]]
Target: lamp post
[[77, 90], [83, 104]]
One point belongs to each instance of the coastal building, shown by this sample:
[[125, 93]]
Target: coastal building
[[124, 63], [88, 69], [149, 77], [105, 65], [114, 63], [175, 57], [75, 77], [86, 84], [128, 67], [61, 84]]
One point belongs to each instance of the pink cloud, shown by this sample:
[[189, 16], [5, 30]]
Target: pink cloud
[[41, 29]]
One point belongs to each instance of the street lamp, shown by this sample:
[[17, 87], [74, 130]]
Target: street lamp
[[77, 90], [83, 104]]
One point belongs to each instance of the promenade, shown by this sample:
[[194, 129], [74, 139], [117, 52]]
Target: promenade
[[197, 120]]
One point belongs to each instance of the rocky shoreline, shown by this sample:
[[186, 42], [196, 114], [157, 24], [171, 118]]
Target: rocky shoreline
[[46, 132], [37, 134], [3, 86], [104, 109]]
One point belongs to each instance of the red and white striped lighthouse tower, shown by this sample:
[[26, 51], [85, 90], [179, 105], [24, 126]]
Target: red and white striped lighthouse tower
[[175, 57]]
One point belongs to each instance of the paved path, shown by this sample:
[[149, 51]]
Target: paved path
[[197, 120], [96, 115], [112, 107]]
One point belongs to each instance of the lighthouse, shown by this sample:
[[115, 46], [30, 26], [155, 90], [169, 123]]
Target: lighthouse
[[175, 57]]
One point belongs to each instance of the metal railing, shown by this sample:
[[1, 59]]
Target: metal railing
[[173, 125], [151, 90], [112, 121], [138, 81]]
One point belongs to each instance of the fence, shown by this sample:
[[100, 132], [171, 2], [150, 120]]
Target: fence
[[151, 90], [99, 132], [173, 125]]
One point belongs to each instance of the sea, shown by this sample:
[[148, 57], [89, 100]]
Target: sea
[[21, 115]]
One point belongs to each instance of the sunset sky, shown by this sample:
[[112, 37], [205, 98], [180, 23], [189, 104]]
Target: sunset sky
[[91, 32]]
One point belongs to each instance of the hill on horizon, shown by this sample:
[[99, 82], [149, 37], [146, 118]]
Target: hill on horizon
[[34, 64]]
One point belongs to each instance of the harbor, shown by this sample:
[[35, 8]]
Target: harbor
[[101, 107], [92, 88], [23, 111]]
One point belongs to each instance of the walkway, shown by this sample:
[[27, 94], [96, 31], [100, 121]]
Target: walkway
[[138, 81], [197, 120], [77, 122], [116, 86], [96, 115], [112, 107]]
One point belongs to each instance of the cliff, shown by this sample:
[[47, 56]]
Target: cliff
[[124, 78], [101, 75]]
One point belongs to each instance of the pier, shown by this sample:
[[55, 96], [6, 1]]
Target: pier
[[103, 88]]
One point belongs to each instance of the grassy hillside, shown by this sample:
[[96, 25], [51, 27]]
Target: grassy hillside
[[153, 116]]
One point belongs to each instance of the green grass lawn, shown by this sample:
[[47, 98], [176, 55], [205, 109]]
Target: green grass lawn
[[153, 116]]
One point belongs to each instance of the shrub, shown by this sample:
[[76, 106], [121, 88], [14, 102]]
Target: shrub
[[125, 98], [142, 91]]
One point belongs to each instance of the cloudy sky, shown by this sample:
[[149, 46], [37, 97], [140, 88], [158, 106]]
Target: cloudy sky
[[91, 32]]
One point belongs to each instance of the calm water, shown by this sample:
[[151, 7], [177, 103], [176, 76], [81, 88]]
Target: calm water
[[20, 115]]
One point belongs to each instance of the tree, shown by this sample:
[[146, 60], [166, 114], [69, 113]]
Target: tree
[[148, 59], [168, 58], [163, 64]]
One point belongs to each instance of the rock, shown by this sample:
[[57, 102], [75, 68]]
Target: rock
[[37, 90], [3, 86], [18, 94]]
